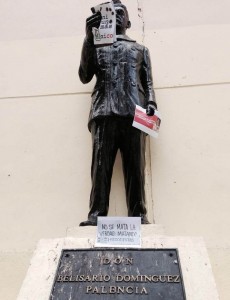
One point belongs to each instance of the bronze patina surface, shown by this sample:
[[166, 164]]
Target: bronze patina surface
[[123, 80]]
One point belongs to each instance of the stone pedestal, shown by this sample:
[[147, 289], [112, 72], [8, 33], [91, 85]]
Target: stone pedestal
[[196, 269]]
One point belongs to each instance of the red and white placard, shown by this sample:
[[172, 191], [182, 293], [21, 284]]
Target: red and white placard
[[148, 124]]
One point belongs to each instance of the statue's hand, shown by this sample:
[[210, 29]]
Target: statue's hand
[[92, 21], [150, 110]]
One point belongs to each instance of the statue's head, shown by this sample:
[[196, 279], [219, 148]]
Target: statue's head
[[122, 17]]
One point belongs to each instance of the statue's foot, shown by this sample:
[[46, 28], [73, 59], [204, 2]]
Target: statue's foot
[[92, 221], [88, 223], [144, 220]]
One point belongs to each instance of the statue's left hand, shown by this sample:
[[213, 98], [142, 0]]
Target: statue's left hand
[[92, 21], [150, 110]]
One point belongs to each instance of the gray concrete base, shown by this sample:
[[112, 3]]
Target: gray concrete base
[[196, 269]]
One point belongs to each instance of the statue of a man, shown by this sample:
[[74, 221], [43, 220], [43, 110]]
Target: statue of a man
[[123, 79]]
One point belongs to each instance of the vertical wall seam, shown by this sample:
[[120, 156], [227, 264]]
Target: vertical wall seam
[[140, 13], [149, 182]]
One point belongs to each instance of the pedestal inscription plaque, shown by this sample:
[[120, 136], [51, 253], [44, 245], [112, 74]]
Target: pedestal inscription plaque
[[118, 274]]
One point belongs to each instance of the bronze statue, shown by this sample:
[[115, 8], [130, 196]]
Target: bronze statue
[[123, 79]]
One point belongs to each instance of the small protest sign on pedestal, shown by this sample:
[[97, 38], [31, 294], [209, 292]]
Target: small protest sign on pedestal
[[118, 232]]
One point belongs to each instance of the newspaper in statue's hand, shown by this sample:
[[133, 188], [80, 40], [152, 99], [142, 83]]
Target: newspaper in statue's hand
[[106, 33]]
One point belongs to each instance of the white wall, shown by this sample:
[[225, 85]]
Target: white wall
[[191, 159], [46, 147]]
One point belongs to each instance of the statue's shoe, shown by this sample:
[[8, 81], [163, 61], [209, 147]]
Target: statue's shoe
[[88, 223], [92, 221], [144, 220]]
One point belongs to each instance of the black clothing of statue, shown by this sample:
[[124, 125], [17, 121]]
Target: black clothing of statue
[[123, 79], [123, 74]]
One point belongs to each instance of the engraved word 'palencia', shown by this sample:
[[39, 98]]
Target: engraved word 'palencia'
[[116, 290]]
